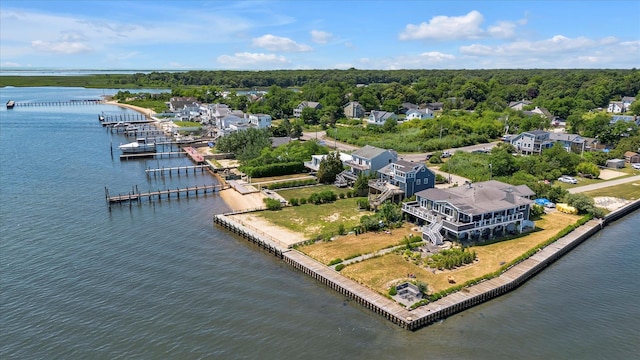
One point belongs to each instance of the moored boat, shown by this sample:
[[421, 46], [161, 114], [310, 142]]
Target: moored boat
[[11, 104], [141, 145]]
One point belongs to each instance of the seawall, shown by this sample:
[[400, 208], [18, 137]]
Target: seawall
[[446, 306]]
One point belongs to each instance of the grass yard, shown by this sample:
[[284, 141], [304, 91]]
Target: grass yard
[[628, 191], [313, 220], [350, 246], [305, 192], [380, 273]]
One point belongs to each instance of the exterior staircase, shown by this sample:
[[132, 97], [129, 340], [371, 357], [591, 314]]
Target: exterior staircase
[[432, 231]]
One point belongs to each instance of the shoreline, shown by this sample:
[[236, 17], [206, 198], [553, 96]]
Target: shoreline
[[455, 302]]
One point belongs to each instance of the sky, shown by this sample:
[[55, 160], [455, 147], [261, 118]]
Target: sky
[[295, 34]]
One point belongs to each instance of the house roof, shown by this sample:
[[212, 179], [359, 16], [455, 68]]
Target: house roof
[[523, 102], [630, 154], [368, 152], [381, 115], [566, 137], [628, 99], [481, 197]]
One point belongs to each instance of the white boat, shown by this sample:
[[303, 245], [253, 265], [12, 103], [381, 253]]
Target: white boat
[[139, 146]]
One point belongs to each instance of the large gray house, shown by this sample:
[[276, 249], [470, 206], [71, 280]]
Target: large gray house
[[488, 209]]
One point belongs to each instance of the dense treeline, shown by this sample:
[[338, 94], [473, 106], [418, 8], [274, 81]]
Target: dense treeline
[[561, 91]]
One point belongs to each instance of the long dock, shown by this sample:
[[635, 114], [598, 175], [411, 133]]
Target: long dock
[[135, 195], [177, 169], [151, 154], [447, 306], [59, 103]]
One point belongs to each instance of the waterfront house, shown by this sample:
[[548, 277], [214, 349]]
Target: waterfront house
[[532, 142], [380, 117], [421, 114], [297, 112], [365, 161], [398, 180], [486, 209], [353, 109]]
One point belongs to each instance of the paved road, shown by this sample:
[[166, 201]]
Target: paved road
[[604, 184]]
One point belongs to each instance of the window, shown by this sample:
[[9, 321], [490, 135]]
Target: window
[[418, 182]]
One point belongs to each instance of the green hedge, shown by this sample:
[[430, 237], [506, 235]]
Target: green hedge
[[274, 169], [290, 184]]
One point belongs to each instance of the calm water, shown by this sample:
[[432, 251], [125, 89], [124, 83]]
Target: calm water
[[158, 280]]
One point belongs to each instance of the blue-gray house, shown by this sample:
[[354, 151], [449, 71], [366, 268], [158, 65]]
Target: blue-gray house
[[398, 180]]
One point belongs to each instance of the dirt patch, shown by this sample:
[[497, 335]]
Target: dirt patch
[[610, 203], [607, 174], [262, 226], [348, 246]]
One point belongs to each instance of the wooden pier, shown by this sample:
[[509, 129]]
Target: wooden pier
[[178, 169], [151, 154], [58, 103], [135, 195]]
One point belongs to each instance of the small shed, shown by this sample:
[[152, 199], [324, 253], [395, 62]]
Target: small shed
[[631, 157], [615, 163]]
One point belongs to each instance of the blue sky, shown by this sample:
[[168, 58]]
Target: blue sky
[[265, 35]]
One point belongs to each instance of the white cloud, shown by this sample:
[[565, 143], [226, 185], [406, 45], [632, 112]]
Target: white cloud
[[9, 64], [277, 43], [430, 59], [504, 29], [446, 28], [556, 44], [252, 60], [61, 47], [320, 37]]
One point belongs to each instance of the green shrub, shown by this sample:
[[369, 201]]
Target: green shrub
[[341, 229], [340, 267], [393, 291], [272, 204], [294, 202], [335, 261], [303, 201]]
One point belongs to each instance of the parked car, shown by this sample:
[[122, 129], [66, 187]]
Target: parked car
[[445, 154], [568, 179], [636, 166]]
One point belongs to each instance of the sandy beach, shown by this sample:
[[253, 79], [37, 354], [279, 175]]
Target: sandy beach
[[139, 109]]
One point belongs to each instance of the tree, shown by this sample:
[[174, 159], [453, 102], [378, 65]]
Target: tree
[[634, 108], [361, 186], [310, 116], [588, 168], [329, 168]]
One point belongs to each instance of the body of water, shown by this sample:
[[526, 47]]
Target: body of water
[[158, 280]]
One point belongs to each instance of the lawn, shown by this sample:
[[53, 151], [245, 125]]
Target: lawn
[[313, 220], [628, 191], [305, 192], [350, 246], [380, 273]]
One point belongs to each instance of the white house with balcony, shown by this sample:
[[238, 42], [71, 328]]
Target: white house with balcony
[[364, 161], [468, 213]]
